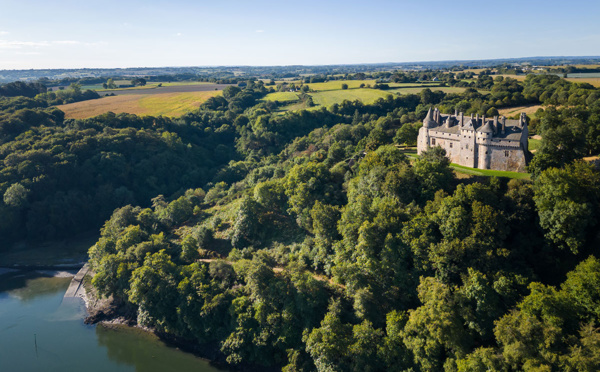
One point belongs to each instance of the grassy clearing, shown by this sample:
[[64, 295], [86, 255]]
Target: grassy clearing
[[488, 172], [166, 104], [282, 96], [534, 144]]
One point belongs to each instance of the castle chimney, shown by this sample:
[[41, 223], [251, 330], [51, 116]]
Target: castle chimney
[[483, 120], [455, 112], [503, 120], [496, 124], [461, 119]]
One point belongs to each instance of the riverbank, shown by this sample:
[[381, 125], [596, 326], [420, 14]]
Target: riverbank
[[106, 312]]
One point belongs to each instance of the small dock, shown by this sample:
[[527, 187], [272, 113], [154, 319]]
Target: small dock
[[76, 287]]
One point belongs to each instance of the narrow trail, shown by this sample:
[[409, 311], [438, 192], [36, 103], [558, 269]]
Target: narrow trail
[[321, 278]]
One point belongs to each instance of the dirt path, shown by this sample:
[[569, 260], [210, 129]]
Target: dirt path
[[76, 287]]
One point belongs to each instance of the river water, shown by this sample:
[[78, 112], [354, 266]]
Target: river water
[[41, 332]]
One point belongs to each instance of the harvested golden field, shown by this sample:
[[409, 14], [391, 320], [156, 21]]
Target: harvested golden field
[[516, 77], [166, 104], [595, 81], [529, 110]]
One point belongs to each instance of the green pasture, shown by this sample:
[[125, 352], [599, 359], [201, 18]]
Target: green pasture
[[355, 84], [488, 172], [365, 95], [282, 96], [418, 90], [337, 84]]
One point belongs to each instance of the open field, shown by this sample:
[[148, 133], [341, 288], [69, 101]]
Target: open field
[[529, 110], [488, 172], [419, 89], [282, 96], [150, 85], [166, 104], [326, 98], [595, 81], [366, 96], [516, 77], [355, 84], [168, 88]]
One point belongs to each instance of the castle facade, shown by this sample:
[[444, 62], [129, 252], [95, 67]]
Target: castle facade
[[477, 142]]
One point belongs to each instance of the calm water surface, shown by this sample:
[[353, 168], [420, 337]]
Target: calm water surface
[[41, 332]]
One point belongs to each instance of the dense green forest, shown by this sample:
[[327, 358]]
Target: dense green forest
[[309, 241]]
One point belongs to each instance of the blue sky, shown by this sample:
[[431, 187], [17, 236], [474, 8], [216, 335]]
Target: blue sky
[[109, 33]]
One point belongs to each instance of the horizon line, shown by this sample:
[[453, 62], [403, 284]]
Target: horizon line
[[308, 65]]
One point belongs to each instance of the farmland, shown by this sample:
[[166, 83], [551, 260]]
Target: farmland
[[166, 104], [167, 88], [529, 110], [353, 84], [331, 92], [366, 96]]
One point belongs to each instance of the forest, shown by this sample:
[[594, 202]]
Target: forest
[[311, 241]]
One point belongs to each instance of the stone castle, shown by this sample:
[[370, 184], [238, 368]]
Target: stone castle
[[477, 142]]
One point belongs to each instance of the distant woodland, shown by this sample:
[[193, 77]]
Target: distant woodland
[[315, 240]]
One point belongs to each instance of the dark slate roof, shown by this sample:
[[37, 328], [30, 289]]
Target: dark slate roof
[[428, 121], [513, 130], [487, 128]]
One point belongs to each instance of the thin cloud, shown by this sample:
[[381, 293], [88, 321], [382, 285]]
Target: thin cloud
[[3, 33], [16, 44], [178, 34], [67, 42]]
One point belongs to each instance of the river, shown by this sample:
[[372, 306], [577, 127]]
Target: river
[[41, 332]]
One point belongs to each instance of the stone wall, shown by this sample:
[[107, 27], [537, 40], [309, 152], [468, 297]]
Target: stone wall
[[514, 162]]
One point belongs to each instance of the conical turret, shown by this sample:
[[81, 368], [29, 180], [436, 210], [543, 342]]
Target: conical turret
[[428, 122]]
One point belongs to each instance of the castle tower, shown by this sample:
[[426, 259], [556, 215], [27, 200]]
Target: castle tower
[[484, 134], [468, 143], [423, 139]]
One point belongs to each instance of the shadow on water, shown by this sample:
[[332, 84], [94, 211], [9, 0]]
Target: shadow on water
[[145, 351], [28, 285]]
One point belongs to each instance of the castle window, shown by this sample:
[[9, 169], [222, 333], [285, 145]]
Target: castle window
[[467, 146], [506, 153], [450, 144], [433, 141]]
